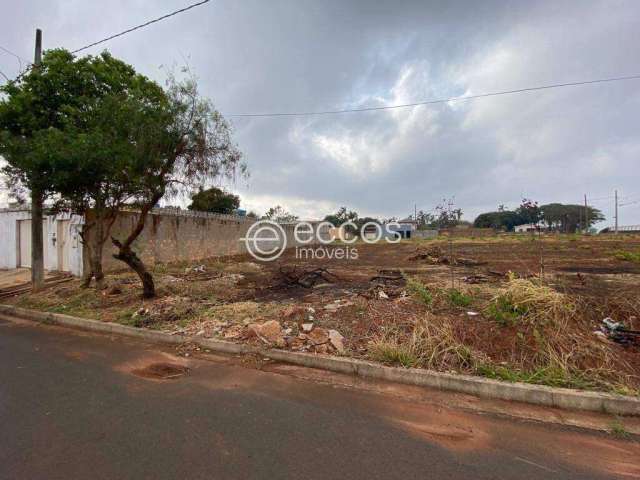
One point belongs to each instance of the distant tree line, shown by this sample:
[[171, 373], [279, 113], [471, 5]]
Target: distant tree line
[[552, 216]]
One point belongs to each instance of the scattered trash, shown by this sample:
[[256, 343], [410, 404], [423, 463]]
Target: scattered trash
[[383, 295], [307, 278], [196, 269], [617, 332], [472, 314], [140, 312], [307, 327], [476, 278]]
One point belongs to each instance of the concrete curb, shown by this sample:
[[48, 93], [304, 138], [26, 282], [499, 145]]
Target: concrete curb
[[482, 387]]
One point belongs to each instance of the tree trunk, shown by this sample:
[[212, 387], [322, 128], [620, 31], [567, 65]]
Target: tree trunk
[[37, 247], [128, 256]]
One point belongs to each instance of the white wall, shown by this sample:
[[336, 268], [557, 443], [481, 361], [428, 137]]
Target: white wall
[[9, 238]]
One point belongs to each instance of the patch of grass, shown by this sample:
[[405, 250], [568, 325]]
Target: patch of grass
[[627, 256], [420, 291], [550, 375], [391, 351], [503, 311], [459, 299], [617, 429], [531, 299]]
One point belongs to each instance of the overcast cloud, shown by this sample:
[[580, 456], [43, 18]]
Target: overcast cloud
[[303, 55]]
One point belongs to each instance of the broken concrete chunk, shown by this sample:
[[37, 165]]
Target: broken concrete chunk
[[318, 336], [337, 340], [269, 332], [307, 327], [383, 295]]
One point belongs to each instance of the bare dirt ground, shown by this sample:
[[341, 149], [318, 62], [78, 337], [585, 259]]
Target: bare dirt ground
[[519, 308]]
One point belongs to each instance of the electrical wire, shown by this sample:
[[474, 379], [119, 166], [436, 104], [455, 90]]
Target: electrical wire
[[137, 27], [124, 32], [432, 102], [18, 57]]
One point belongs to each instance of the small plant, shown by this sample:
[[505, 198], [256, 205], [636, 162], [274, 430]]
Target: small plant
[[627, 256], [420, 291], [503, 311], [617, 429], [459, 299]]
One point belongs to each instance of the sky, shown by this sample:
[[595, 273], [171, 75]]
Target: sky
[[261, 56]]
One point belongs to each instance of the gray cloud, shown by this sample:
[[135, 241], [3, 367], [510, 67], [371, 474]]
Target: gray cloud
[[257, 56]]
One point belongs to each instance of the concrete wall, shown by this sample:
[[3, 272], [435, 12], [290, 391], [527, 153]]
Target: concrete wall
[[425, 234], [9, 237], [468, 232], [177, 235]]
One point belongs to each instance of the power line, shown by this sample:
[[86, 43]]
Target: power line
[[137, 27], [2, 73], [18, 57], [432, 102]]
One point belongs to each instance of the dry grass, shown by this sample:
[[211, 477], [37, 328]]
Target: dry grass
[[432, 344], [533, 301]]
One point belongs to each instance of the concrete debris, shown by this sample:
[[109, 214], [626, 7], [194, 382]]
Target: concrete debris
[[383, 295], [337, 304], [307, 327], [318, 336], [270, 332], [336, 340]]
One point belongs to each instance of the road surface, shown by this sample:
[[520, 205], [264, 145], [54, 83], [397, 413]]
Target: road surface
[[76, 405]]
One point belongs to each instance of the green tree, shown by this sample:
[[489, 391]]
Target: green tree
[[569, 218], [214, 200], [529, 212], [120, 142], [194, 148], [34, 109], [500, 220]]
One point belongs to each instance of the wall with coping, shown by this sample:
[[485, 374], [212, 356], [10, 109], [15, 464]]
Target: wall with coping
[[177, 235]]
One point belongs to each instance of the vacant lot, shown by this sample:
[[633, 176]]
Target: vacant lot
[[519, 308]]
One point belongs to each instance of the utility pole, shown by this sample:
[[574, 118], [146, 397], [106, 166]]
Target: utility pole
[[616, 214], [586, 215], [37, 250]]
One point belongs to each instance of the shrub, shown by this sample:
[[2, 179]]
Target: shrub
[[627, 256], [420, 291], [459, 299]]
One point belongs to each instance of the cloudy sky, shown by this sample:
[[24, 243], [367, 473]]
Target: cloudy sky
[[255, 56]]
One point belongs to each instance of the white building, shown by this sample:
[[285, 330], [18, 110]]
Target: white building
[[61, 240], [527, 227]]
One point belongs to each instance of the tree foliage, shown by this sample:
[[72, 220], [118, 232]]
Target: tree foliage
[[214, 200], [111, 140], [569, 218], [279, 214]]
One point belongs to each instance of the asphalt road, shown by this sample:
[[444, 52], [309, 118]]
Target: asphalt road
[[74, 406]]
